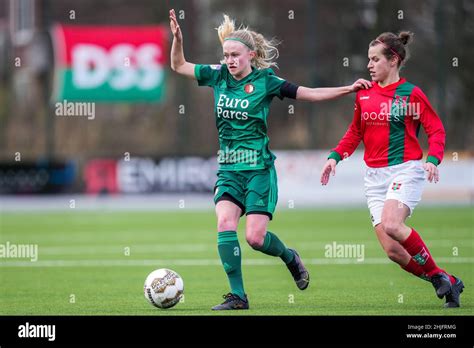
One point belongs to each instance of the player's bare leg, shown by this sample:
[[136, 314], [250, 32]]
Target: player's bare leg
[[228, 215], [268, 243], [398, 254], [256, 229], [392, 248], [394, 215]]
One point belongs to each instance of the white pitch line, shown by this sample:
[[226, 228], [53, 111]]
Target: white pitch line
[[210, 262]]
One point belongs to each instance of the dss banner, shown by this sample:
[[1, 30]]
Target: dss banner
[[109, 64]]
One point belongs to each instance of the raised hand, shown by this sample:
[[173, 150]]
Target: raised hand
[[175, 29]]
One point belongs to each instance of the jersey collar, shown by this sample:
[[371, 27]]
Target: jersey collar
[[235, 82], [390, 87]]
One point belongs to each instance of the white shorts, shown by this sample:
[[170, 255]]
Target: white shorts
[[403, 182]]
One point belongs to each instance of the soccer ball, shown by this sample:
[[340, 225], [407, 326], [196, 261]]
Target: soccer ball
[[163, 288]]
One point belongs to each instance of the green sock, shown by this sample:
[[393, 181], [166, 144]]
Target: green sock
[[273, 246], [230, 253]]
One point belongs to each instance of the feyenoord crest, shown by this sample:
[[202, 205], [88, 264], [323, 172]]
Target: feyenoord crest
[[249, 88]]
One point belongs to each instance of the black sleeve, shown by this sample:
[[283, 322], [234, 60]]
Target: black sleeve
[[288, 90]]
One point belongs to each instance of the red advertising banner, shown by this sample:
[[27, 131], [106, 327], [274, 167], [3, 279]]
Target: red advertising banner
[[110, 64]]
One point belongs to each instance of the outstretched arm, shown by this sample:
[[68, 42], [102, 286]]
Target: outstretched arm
[[320, 94], [178, 63]]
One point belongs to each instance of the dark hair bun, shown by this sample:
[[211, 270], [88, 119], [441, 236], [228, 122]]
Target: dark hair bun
[[406, 37]]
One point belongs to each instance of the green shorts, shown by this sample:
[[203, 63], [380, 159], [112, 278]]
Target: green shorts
[[254, 191]]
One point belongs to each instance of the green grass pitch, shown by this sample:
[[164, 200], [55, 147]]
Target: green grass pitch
[[95, 263]]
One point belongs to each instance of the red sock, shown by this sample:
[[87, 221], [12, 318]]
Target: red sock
[[415, 246], [414, 268]]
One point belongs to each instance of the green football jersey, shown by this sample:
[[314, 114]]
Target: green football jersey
[[241, 109]]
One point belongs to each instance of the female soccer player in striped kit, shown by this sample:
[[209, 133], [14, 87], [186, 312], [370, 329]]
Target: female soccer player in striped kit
[[244, 86], [387, 119]]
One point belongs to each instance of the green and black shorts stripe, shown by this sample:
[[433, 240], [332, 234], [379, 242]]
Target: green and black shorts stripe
[[254, 191]]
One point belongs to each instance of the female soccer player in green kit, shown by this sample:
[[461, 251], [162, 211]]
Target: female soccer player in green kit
[[387, 119], [244, 86]]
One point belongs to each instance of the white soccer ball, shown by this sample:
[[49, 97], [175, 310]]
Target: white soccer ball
[[163, 288]]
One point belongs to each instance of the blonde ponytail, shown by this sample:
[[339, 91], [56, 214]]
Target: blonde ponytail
[[266, 51], [226, 28]]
